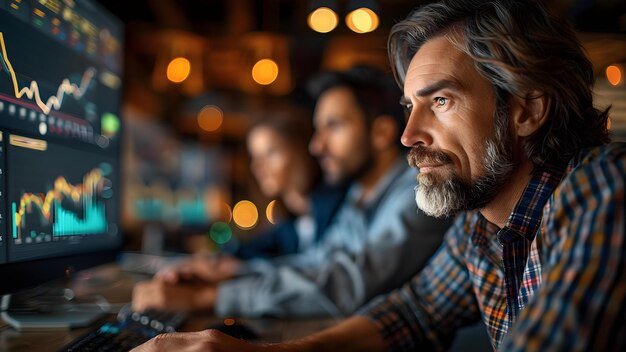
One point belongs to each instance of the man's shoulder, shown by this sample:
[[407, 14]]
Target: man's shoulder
[[601, 159], [396, 185], [589, 202], [400, 191], [595, 173], [611, 152], [406, 178]]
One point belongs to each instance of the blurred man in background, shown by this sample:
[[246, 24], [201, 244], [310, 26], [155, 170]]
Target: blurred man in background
[[285, 171], [376, 240]]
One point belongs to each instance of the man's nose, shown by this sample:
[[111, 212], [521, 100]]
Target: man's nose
[[416, 129]]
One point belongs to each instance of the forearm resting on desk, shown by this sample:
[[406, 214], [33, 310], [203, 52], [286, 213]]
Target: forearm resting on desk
[[354, 334]]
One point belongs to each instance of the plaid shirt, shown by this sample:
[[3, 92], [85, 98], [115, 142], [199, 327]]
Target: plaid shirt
[[554, 278]]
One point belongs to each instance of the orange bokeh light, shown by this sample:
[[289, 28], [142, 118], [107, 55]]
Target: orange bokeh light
[[210, 118], [614, 74], [323, 20], [265, 71], [178, 69], [245, 214], [362, 20]]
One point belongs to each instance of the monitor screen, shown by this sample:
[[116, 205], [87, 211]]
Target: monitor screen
[[60, 95]]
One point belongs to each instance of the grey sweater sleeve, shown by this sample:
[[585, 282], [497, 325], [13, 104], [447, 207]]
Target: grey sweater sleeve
[[398, 242]]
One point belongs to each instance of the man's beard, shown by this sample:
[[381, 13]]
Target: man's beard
[[346, 175], [444, 197]]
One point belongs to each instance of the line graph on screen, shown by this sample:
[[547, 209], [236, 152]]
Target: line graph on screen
[[32, 90]]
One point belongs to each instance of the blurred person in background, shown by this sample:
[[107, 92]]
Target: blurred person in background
[[285, 170], [375, 241]]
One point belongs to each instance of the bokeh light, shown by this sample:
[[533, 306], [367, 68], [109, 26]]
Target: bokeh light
[[269, 212], [110, 124], [245, 214], [614, 74], [220, 232], [178, 69], [323, 20], [265, 71], [210, 118], [362, 20]]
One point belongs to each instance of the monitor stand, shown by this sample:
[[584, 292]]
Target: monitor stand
[[50, 309]]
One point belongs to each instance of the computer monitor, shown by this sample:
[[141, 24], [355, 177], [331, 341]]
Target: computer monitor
[[60, 95]]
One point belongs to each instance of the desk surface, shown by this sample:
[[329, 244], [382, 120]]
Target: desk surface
[[116, 286]]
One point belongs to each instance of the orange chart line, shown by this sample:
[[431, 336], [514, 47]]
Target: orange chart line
[[32, 92]]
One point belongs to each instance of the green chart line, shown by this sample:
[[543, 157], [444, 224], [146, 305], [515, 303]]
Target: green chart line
[[14, 225]]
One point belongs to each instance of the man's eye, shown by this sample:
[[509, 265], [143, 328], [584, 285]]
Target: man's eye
[[407, 110], [440, 102]]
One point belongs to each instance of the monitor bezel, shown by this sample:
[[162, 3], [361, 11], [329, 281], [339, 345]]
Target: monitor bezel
[[27, 274]]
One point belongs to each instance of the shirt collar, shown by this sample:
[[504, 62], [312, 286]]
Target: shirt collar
[[355, 191], [526, 217]]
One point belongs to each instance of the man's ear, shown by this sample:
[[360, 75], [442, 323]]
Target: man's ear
[[530, 113], [383, 132]]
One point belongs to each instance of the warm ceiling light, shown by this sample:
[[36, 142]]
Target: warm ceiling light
[[265, 71], [245, 214], [178, 69], [323, 20], [362, 20], [269, 212], [210, 118], [614, 74]]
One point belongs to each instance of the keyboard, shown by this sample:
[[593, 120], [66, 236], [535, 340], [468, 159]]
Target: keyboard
[[131, 330]]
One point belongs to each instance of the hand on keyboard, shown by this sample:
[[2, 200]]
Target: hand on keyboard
[[131, 330], [235, 328], [201, 341]]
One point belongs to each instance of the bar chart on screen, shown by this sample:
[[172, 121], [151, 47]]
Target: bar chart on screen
[[45, 206]]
